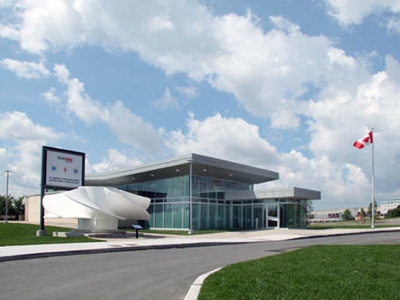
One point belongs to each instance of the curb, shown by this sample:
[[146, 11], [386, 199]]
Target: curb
[[111, 250], [195, 288], [345, 233]]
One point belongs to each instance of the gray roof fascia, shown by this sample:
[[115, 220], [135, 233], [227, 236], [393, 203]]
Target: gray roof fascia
[[253, 174], [287, 192], [141, 168], [235, 167]]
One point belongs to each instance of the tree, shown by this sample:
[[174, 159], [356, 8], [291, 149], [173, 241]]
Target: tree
[[19, 207], [310, 209], [369, 209], [347, 216], [363, 214], [10, 210], [393, 213], [15, 206]]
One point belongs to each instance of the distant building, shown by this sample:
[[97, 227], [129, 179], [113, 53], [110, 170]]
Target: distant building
[[333, 215], [385, 206]]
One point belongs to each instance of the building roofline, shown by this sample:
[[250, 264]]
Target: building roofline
[[277, 193], [202, 166]]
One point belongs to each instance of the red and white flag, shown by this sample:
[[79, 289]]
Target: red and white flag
[[364, 141]]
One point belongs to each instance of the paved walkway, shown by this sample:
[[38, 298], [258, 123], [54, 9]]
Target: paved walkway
[[155, 241]]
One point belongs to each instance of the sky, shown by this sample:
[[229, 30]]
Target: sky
[[284, 85]]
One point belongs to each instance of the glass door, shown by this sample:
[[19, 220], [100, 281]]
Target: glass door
[[272, 216]]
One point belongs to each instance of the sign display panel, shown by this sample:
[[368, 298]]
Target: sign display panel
[[63, 168]]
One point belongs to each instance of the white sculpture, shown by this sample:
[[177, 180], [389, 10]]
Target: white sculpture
[[97, 208]]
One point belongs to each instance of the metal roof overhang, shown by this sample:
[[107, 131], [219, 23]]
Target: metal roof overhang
[[202, 166], [278, 193]]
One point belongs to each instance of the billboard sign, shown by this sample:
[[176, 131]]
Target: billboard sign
[[63, 169]]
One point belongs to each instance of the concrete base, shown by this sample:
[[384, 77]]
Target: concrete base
[[99, 225], [41, 233]]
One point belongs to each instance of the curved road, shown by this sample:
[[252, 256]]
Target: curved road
[[148, 274]]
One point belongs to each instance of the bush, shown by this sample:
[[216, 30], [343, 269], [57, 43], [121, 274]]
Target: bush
[[347, 216], [393, 213]]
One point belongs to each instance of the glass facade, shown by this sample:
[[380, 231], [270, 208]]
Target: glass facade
[[170, 205]]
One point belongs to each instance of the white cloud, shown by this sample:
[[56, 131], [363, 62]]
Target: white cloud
[[231, 52], [340, 119], [393, 25], [285, 120], [133, 130], [51, 97], [79, 102], [167, 101], [355, 11], [233, 137], [188, 91], [237, 140], [284, 25], [17, 126], [6, 3], [114, 161], [127, 126], [25, 69], [23, 155]]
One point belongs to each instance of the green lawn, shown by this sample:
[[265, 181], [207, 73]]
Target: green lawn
[[379, 223], [348, 226], [25, 234], [318, 272]]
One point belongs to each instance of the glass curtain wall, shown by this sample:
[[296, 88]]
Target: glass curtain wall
[[210, 210], [170, 197], [170, 209]]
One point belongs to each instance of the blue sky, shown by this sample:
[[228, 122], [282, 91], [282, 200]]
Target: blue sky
[[283, 85]]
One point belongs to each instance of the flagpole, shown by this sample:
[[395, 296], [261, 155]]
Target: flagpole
[[373, 180]]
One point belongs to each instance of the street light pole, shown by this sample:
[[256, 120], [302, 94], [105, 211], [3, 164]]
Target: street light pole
[[5, 218]]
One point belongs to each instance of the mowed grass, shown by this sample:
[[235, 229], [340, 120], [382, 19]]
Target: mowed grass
[[12, 234], [349, 226], [318, 272]]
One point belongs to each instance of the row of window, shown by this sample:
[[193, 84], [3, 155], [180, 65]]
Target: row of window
[[178, 186], [218, 216]]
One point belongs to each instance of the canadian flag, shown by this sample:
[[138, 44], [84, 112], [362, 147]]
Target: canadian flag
[[364, 141]]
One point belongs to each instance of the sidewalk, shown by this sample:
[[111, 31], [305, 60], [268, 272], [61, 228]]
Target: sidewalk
[[156, 241]]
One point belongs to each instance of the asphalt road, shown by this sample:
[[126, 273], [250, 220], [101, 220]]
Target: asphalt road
[[148, 274]]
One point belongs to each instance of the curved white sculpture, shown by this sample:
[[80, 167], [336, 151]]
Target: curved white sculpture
[[97, 208]]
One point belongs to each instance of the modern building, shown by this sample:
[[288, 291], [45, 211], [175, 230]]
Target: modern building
[[200, 192]]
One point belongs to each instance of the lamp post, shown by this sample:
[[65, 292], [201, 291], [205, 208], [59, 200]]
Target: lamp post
[[5, 218]]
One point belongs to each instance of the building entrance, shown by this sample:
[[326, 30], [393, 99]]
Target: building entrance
[[272, 216], [267, 216]]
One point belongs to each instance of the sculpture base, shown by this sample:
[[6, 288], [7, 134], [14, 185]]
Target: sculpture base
[[99, 225]]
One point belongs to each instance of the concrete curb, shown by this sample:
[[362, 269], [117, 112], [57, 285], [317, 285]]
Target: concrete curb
[[345, 233], [195, 288], [111, 250]]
